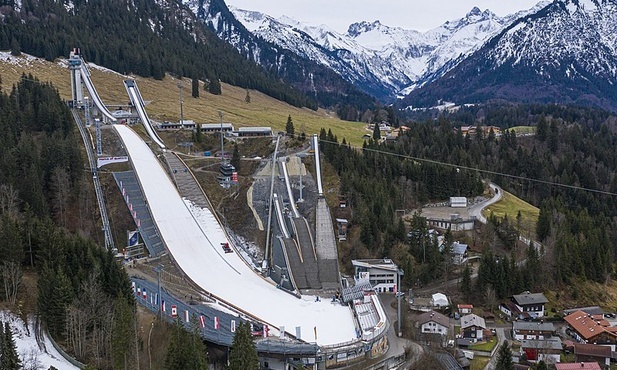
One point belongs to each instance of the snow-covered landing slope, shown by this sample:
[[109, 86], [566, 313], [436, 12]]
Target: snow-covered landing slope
[[197, 251]]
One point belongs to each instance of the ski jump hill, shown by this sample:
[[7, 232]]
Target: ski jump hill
[[194, 238]]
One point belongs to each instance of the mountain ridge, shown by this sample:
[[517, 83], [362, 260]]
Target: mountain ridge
[[560, 54], [384, 61]]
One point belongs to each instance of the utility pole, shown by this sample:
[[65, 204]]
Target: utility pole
[[159, 302], [399, 295], [222, 148], [181, 112]]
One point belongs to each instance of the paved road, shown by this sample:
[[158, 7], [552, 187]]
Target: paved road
[[397, 344], [476, 209], [501, 336]]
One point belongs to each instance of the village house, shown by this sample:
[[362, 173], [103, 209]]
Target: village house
[[594, 352], [548, 350], [525, 305], [585, 329], [473, 326], [434, 323], [532, 330], [465, 309]]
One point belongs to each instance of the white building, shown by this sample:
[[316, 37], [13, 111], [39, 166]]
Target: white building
[[458, 202], [440, 300], [382, 273]]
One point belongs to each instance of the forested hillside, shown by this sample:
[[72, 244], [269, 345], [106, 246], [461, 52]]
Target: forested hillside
[[84, 296], [144, 37], [568, 169]]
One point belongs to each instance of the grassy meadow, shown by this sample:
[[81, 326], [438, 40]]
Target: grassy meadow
[[163, 99]]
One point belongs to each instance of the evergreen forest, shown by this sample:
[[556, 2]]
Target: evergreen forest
[[568, 169], [140, 37]]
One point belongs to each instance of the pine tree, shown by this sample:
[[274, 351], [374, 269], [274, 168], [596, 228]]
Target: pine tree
[[466, 287], [214, 86], [542, 365], [195, 87], [235, 158], [289, 127], [10, 359], [247, 98], [186, 349], [376, 132], [243, 353], [504, 357]]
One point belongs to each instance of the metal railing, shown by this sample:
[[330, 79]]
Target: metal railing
[[109, 240]]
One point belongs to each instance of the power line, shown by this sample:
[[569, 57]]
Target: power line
[[489, 172]]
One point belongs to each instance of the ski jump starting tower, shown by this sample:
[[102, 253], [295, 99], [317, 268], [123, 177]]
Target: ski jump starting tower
[[77, 91], [80, 78]]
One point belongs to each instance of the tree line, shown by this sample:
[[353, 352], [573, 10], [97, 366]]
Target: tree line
[[577, 220], [135, 37]]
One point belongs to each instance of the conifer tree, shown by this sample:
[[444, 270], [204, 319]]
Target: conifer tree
[[214, 86], [10, 359], [247, 98], [289, 126], [235, 158], [195, 87], [466, 287], [376, 132], [504, 357], [243, 353]]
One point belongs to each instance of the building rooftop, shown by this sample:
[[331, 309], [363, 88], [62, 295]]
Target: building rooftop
[[577, 366], [383, 263], [472, 320], [533, 326], [459, 248], [553, 343], [592, 350], [527, 298], [585, 325], [433, 316]]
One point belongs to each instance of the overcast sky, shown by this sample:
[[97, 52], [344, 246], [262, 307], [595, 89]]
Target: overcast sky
[[408, 14]]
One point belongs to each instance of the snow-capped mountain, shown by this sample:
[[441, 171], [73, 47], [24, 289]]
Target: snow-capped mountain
[[316, 80], [564, 53], [377, 57]]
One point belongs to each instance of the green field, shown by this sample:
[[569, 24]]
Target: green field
[[511, 205], [479, 363], [524, 130], [487, 346], [163, 100]]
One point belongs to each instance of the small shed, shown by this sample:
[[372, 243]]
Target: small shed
[[458, 202], [341, 225]]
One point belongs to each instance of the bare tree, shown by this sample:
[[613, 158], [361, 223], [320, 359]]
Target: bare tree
[[90, 322], [61, 186], [491, 297], [9, 200], [30, 360], [11, 278]]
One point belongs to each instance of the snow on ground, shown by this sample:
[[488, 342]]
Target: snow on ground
[[29, 350], [195, 244], [22, 60]]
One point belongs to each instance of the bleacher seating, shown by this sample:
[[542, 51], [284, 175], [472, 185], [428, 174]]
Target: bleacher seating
[[367, 315], [148, 232]]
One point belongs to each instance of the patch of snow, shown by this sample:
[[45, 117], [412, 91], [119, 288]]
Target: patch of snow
[[29, 350]]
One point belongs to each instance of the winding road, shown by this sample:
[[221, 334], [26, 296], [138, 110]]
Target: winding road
[[476, 209]]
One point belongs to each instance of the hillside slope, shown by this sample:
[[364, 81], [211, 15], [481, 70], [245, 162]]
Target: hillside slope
[[163, 98]]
